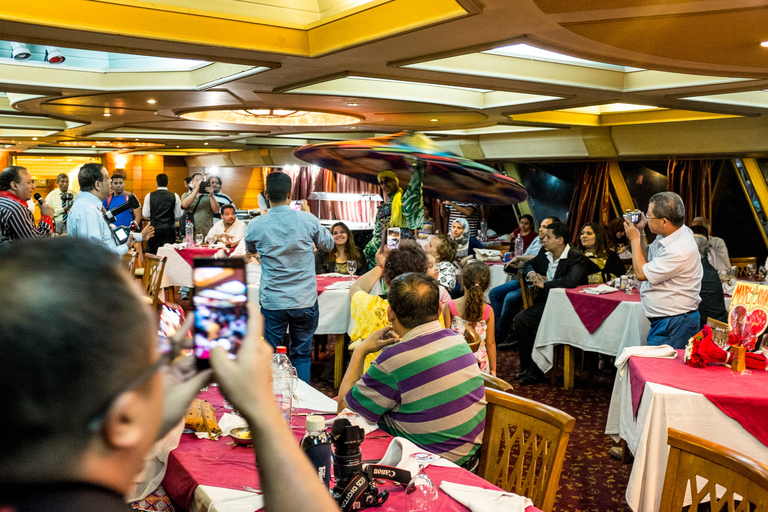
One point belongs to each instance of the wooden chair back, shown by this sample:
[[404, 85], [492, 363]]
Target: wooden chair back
[[705, 468], [525, 289], [472, 338], [129, 262], [717, 323], [524, 446], [496, 383], [741, 265], [154, 266]]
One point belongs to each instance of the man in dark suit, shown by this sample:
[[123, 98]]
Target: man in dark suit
[[556, 266]]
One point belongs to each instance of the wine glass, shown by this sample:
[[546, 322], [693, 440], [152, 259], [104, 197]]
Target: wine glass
[[199, 239], [294, 383], [351, 267], [421, 493]]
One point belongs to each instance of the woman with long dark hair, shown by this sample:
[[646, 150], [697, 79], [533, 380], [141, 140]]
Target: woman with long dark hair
[[603, 263], [344, 250]]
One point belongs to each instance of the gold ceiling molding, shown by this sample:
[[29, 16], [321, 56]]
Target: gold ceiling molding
[[165, 22], [560, 117]]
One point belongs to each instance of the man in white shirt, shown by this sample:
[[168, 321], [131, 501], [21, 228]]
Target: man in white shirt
[[162, 207], [229, 229], [86, 219], [718, 252], [670, 271], [61, 200]]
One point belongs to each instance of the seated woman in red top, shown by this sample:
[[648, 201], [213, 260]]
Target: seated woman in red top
[[525, 230], [603, 264]]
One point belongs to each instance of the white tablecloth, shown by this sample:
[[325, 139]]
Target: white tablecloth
[[179, 273], [660, 408], [218, 499], [626, 326]]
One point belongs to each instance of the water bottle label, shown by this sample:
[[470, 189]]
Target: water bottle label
[[320, 455]]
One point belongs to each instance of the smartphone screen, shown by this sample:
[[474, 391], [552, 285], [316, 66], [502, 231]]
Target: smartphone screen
[[170, 321], [296, 205], [220, 304], [121, 234], [393, 238]]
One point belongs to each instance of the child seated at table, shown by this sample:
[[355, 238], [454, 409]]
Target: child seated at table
[[443, 249], [470, 310]]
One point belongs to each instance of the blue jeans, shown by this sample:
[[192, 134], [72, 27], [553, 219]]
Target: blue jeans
[[506, 301], [674, 330], [301, 325]]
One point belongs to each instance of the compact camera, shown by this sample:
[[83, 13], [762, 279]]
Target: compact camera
[[633, 217]]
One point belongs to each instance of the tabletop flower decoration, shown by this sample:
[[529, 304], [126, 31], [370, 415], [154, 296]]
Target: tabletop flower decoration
[[702, 350], [693, 355]]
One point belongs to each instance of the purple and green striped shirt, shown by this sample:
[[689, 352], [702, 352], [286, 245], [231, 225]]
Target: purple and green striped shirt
[[427, 389]]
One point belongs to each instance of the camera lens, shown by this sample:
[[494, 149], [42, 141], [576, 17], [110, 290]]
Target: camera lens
[[347, 459]]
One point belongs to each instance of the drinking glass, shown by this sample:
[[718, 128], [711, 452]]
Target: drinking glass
[[421, 493], [721, 336], [199, 239], [750, 270], [294, 377], [351, 267]]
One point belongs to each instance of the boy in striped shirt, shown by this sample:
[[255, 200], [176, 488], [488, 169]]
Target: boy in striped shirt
[[426, 386]]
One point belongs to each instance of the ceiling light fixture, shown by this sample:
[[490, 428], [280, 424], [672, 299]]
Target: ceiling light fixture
[[107, 114], [205, 144], [434, 120], [151, 102], [19, 51], [110, 144], [273, 117], [53, 55], [34, 138], [764, 44], [353, 104]]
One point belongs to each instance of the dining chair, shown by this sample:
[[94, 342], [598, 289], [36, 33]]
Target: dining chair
[[711, 471], [524, 446], [153, 277], [713, 323], [741, 265], [129, 262], [472, 338], [493, 382], [526, 291], [138, 271]]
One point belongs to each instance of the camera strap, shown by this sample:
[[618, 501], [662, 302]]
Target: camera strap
[[401, 476], [358, 486]]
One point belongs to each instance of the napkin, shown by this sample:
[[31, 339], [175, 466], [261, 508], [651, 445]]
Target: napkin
[[399, 453], [333, 274], [230, 421], [478, 499], [661, 351], [340, 285], [354, 419], [600, 290]]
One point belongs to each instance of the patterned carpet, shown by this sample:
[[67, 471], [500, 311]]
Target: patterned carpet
[[591, 481]]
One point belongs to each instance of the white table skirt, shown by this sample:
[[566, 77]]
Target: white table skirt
[[179, 273], [626, 326], [662, 407], [218, 499]]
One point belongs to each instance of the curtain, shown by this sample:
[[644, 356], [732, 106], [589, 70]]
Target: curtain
[[591, 197], [691, 180], [315, 179]]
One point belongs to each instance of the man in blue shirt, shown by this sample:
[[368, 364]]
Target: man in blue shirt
[[118, 197], [85, 218], [283, 239], [507, 299]]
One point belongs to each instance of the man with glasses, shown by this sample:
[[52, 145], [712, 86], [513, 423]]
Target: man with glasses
[[670, 271], [85, 218], [89, 395]]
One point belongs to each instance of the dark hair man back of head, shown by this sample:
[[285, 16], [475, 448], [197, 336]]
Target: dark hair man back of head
[[10, 175], [414, 298], [162, 180], [69, 345], [559, 230], [278, 187], [89, 175], [668, 205]]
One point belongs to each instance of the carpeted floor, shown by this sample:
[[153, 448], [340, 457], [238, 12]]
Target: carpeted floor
[[591, 479]]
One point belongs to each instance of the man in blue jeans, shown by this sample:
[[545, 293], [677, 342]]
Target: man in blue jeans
[[507, 299], [283, 239], [669, 269]]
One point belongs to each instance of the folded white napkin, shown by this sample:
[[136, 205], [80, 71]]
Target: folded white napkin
[[478, 499], [333, 274], [487, 255], [230, 421], [399, 453], [600, 290], [354, 419], [660, 351], [729, 287], [340, 285]]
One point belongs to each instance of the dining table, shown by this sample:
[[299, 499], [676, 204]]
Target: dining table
[[594, 323], [652, 394], [203, 475]]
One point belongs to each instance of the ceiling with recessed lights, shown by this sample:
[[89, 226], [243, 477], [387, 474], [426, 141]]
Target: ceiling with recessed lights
[[491, 79]]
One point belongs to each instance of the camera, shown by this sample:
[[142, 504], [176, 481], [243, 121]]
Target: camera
[[204, 185], [354, 488], [633, 217], [66, 198]]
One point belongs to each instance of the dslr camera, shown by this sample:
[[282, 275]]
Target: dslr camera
[[633, 217], [204, 185], [66, 198]]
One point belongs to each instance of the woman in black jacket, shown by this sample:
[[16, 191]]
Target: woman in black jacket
[[344, 251], [603, 264]]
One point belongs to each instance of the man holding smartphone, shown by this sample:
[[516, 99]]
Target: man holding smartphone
[[288, 289], [85, 218]]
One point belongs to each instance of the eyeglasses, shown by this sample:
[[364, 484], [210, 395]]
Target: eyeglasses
[[94, 424], [648, 217]]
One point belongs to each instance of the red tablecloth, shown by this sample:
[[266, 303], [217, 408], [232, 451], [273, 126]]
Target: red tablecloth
[[216, 463], [198, 252], [742, 397], [594, 309], [324, 282]]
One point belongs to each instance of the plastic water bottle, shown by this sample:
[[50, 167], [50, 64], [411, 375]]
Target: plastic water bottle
[[483, 230], [317, 445], [282, 382], [519, 244], [189, 232]]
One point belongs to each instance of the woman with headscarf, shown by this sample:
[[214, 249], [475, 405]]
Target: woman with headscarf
[[401, 209], [467, 244]]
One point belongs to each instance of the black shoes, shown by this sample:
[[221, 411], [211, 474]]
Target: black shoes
[[533, 376]]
